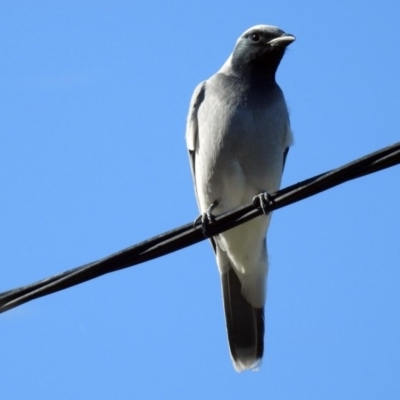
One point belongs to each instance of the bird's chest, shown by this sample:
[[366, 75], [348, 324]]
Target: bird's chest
[[241, 148], [249, 132], [238, 131]]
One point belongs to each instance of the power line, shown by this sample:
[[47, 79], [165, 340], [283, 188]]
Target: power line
[[188, 234]]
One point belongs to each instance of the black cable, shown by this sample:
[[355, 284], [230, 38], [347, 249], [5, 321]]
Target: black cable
[[188, 234]]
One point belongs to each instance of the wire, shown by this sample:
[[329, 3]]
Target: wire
[[190, 234]]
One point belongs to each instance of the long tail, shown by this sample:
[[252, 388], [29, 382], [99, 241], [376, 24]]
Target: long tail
[[245, 324]]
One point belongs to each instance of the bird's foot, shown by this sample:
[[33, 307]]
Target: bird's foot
[[206, 219], [263, 201]]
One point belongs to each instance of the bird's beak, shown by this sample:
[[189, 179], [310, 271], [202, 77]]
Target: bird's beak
[[282, 41]]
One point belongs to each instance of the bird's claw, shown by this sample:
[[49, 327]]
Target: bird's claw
[[206, 219], [263, 201]]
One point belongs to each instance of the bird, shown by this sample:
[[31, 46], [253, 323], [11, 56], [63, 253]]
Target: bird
[[238, 135]]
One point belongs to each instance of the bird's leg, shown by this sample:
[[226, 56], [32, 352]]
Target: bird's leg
[[206, 219], [263, 201]]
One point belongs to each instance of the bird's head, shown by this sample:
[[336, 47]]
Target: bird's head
[[260, 50]]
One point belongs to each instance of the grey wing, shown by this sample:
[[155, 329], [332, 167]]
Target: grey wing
[[285, 153], [192, 127], [289, 142]]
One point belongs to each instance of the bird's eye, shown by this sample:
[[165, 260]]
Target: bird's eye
[[255, 37]]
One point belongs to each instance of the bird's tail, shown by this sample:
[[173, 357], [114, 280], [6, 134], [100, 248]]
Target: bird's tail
[[245, 324]]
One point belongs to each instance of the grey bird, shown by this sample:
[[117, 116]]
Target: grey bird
[[238, 135]]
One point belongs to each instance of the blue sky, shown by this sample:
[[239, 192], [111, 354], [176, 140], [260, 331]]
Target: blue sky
[[93, 101]]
